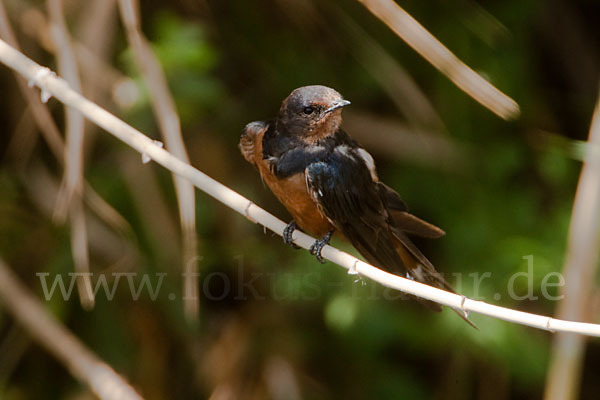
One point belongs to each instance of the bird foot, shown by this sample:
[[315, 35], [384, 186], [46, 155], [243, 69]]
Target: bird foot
[[316, 248], [287, 235]]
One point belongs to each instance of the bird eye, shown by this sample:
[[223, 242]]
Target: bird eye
[[308, 110]]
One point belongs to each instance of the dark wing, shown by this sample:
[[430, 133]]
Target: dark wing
[[344, 191], [422, 270], [402, 222], [403, 219], [392, 201]]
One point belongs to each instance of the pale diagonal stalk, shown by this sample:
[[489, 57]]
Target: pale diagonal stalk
[[562, 382], [391, 76], [383, 68], [170, 128], [60, 89], [60, 342], [431, 49]]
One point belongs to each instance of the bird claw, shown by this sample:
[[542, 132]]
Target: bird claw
[[287, 235], [316, 248]]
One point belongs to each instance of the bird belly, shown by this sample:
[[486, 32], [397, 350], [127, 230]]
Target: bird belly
[[292, 193]]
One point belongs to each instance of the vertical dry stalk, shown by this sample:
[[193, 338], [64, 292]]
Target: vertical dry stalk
[[115, 244], [23, 140], [70, 198], [562, 382], [164, 109], [59, 341], [95, 36], [95, 32], [157, 220], [40, 113], [51, 134], [67, 67], [424, 43]]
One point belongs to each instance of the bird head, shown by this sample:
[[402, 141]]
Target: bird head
[[311, 112]]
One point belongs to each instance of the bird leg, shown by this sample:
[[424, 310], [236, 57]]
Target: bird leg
[[316, 248], [287, 235]]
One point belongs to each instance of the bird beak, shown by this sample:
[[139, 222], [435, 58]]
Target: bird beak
[[336, 105]]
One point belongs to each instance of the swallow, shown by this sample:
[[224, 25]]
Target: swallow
[[329, 184]]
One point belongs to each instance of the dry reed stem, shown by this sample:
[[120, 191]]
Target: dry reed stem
[[93, 45], [67, 67], [424, 43], [562, 382], [399, 86], [114, 244], [23, 140], [40, 113], [60, 342], [69, 200], [156, 217], [170, 128], [391, 76], [51, 134]]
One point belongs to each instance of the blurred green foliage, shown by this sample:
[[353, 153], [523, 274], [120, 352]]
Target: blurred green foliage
[[232, 62]]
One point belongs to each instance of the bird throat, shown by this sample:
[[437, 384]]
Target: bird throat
[[326, 127]]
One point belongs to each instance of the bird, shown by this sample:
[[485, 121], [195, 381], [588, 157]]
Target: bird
[[329, 184]]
